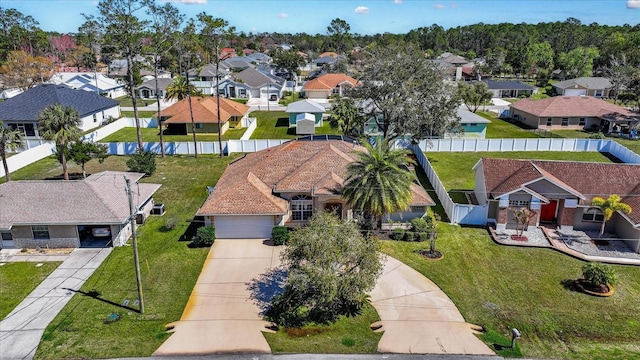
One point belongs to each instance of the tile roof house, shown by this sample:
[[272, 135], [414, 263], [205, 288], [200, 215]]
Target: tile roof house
[[22, 111], [571, 112], [177, 117], [285, 185], [326, 85], [591, 86], [58, 213], [561, 192]]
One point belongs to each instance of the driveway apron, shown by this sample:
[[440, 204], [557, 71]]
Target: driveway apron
[[418, 317], [219, 316], [21, 330]]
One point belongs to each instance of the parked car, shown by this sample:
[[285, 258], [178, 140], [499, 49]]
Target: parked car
[[101, 232]]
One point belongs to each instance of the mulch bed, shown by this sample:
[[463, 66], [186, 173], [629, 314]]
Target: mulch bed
[[432, 255], [587, 288]]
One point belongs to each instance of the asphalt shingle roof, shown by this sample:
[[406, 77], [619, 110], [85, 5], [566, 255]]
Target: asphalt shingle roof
[[305, 106], [587, 82], [29, 104], [508, 85], [569, 106]]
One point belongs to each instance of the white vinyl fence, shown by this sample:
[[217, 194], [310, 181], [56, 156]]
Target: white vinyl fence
[[24, 158], [251, 124], [119, 124], [187, 148]]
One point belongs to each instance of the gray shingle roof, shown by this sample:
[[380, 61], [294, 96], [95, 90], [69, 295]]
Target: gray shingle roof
[[587, 82], [508, 85], [255, 78], [29, 104], [151, 84], [305, 106]]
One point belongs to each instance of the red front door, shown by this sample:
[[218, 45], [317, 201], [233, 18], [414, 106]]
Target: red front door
[[548, 211]]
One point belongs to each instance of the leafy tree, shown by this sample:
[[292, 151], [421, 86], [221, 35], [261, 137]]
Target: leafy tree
[[10, 139], [339, 36], [289, 60], [24, 71], [60, 124], [377, 183], [142, 162], [124, 33], [81, 152], [578, 62], [346, 116], [331, 267], [17, 32], [474, 95], [609, 207], [540, 57], [597, 274]]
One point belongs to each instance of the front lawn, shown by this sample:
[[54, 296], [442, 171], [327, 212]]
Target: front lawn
[[128, 134], [275, 125], [455, 168], [349, 335], [141, 114], [169, 268], [125, 101], [503, 129], [502, 287], [18, 279]]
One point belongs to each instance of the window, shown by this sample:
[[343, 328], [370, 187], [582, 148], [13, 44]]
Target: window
[[301, 207], [592, 215], [419, 209], [598, 93], [199, 125], [336, 90], [40, 231], [95, 118], [6, 236], [519, 203], [549, 121], [582, 121], [26, 129], [565, 122]]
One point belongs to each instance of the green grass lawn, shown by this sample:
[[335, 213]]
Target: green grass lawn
[[633, 145], [500, 287], [125, 101], [275, 125], [169, 267], [347, 336], [455, 168], [128, 134], [503, 129], [18, 279], [141, 114]]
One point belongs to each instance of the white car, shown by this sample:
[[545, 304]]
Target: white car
[[101, 232]]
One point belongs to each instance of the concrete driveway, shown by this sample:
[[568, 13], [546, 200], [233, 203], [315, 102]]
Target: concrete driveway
[[219, 316], [21, 330], [417, 317]]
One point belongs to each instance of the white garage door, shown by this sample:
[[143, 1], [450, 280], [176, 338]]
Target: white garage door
[[243, 227], [575, 92]]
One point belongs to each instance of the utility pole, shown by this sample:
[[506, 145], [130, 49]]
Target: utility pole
[[132, 218]]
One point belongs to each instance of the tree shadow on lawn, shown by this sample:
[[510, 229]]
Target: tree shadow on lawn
[[282, 122], [264, 288]]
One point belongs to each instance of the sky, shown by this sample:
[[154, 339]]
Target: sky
[[363, 16]]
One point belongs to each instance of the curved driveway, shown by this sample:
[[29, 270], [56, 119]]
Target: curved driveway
[[417, 317]]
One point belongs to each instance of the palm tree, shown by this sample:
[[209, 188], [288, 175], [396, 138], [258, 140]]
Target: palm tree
[[10, 139], [609, 207], [61, 125], [377, 183], [346, 116], [180, 89]]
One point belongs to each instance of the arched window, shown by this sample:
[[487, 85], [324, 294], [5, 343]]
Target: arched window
[[592, 214], [301, 207]]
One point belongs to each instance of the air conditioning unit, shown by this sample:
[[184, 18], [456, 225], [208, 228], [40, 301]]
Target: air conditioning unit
[[158, 209], [140, 218]]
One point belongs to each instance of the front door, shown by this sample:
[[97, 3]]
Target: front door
[[335, 208], [548, 211]]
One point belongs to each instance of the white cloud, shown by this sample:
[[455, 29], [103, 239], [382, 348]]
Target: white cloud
[[633, 4], [439, 6], [361, 10], [454, 5], [397, 1], [283, 15]]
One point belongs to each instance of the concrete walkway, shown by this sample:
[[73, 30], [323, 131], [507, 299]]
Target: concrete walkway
[[220, 317], [417, 317], [21, 330]]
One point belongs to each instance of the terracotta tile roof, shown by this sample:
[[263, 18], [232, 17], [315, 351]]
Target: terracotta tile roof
[[329, 81], [569, 106], [204, 110], [99, 199], [248, 185], [585, 178]]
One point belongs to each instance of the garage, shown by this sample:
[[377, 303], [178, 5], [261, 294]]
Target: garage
[[244, 227], [575, 92]]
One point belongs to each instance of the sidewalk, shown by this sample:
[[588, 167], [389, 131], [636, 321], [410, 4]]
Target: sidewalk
[[21, 330]]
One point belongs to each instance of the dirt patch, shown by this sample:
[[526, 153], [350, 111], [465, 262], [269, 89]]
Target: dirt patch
[[46, 251]]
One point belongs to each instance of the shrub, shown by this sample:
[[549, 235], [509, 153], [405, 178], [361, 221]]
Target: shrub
[[420, 225], [170, 223], [143, 162], [205, 236], [598, 135], [398, 234], [409, 236], [423, 236], [597, 274], [279, 235]]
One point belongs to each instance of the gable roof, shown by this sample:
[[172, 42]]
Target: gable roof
[[586, 179], [586, 82], [256, 79], [151, 84], [86, 81], [568, 106], [508, 85], [98, 199], [305, 106], [205, 110], [467, 117], [329, 81], [248, 185], [29, 104]]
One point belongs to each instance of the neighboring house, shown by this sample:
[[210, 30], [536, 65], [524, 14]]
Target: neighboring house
[[9, 93], [68, 214], [572, 112], [591, 86], [251, 83], [326, 85], [177, 117], [560, 192], [285, 185], [93, 82], [453, 65], [147, 90], [473, 125], [305, 107], [22, 111], [510, 89], [260, 58]]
